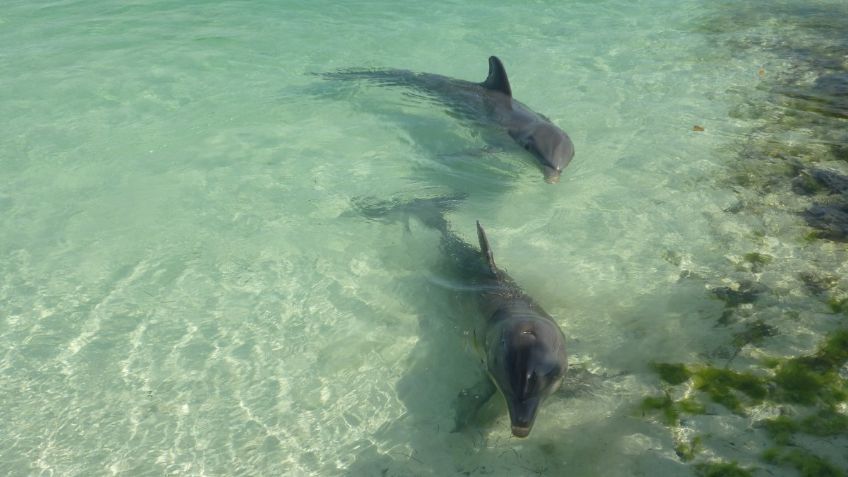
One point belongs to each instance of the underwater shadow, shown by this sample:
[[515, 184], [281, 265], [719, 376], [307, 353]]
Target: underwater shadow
[[452, 152]]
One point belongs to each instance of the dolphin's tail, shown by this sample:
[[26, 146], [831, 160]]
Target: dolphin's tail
[[431, 211]]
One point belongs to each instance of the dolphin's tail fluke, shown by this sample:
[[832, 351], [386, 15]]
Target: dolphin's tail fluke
[[431, 211]]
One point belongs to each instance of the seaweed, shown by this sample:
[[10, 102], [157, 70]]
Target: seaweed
[[818, 284], [754, 333], [687, 450], [757, 260], [781, 429], [721, 385], [838, 305], [805, 180], [824, 423], [800, 380], [808, 379], [721, 469], [671, 409], [746, 292], [664, 404], [807, 463], [672, 373]]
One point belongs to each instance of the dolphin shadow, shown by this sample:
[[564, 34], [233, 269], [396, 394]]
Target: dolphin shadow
[[442, 149], [436, 369], [488, 104]]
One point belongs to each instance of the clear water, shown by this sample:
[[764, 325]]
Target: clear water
[[184, 289]]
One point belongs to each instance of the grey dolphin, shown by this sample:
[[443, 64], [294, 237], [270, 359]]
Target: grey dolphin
[[521, 347], [487, 103]]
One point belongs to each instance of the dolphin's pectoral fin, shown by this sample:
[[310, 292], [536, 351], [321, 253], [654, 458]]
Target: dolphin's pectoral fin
[[471, 401], [497, 79]]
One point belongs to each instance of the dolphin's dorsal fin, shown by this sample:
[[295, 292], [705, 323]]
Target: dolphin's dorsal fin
[[487, 251], [497, 79]]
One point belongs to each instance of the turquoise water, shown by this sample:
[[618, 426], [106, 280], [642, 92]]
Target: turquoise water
[[184, 287]]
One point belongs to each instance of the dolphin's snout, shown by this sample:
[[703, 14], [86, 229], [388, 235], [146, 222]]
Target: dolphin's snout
[[552, 175], [522, 413]]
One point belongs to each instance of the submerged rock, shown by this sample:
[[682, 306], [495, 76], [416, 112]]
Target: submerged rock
[[817, 283], [746, 292], [831, 220], [820, 181], [833, 90]]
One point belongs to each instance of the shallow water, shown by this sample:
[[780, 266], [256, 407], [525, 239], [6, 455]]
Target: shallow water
[[185, 289]]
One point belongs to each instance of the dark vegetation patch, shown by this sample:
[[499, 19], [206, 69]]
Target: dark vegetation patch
[[687, 451], [746, 292], [789, 173], [813, 381], [721, 469], [805, 462]]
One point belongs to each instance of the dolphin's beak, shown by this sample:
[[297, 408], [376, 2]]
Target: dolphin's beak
[[522, 414], [551, 175]]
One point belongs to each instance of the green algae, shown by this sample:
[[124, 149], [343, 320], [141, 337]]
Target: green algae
[[827, 422], [721, 469], [781, 429], [798, 383], [691, 406], [723, 387], [824, 423], [665, 405], [759, 258], [809, 380], [672, 373], [687, 450], [838, 305], [754, 333], [807, 463], [756, 261], [670, 409], [814, 383], [803, 380], [834, 352]]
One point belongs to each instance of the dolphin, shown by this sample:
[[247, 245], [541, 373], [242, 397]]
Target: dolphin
[[489, 103], [520, 345], [523, 347]]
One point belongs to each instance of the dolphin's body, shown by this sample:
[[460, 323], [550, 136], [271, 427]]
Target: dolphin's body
[[489, 103], [520, 345]]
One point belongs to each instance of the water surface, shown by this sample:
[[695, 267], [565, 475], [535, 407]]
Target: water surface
[[184, 289]]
